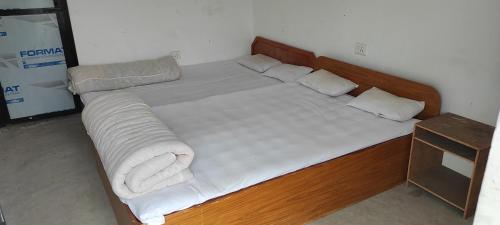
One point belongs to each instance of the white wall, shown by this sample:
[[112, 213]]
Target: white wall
[[453, 45], [489, 199], [123, 30]]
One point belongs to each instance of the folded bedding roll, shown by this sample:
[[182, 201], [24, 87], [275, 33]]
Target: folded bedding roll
[[139, 153], [88, 78]]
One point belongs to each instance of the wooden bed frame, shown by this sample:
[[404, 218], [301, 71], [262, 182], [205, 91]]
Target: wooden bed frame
[[285, 53], [313, 192]]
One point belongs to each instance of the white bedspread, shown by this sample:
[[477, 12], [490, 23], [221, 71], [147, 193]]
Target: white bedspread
[[248, 137], [138, 152], [197, 81]]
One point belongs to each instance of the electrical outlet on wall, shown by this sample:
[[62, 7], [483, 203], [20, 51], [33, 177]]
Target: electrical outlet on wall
[[360, 49], [176, 54]]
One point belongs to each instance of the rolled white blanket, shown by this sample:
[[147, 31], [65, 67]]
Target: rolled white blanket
[[88, 78], [139, 153]]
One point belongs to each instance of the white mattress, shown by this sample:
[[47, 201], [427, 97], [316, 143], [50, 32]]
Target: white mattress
[[197, 81], [244, 138]]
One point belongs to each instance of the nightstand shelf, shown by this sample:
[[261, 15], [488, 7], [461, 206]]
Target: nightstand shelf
[[444, 144], [445, 183], [459, 136]]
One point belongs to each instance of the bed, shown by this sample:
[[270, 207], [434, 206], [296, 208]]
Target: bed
[[216, 78], [308, 193]]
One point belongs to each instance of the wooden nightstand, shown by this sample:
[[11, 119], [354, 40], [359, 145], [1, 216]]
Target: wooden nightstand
[[456, 135]]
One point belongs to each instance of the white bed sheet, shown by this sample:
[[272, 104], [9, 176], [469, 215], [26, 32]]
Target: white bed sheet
[[244, 138], [197, 81]]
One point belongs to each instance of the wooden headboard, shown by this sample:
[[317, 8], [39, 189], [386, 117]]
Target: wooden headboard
[[367, 79], [283, 52]]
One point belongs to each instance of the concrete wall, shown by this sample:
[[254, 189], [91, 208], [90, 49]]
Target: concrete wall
[[452, 45], [124, 30]]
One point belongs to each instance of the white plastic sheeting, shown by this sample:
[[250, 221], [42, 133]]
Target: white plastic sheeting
[[33, 66]]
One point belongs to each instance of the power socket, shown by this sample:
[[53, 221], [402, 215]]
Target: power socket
[[360, 49]]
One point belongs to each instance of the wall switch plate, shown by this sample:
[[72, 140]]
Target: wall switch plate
[[360, 49], [176, 54]]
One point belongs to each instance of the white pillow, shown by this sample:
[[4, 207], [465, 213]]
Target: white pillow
[[386, 105], [328, 83], [259, 62], [287, 72]]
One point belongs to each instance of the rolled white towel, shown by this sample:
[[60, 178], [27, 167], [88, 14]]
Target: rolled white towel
[[139, 153]]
